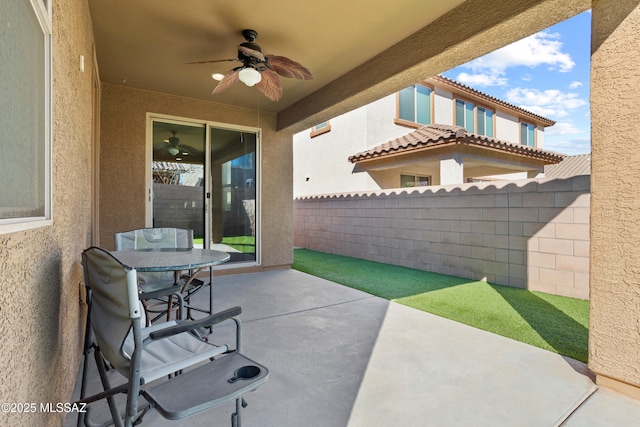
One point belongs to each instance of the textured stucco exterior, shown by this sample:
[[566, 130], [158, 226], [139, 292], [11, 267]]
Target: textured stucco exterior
[[614, 339], [41, 315], [123, 167]]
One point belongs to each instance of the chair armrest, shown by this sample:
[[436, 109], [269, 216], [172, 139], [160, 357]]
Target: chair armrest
[[185, 326]]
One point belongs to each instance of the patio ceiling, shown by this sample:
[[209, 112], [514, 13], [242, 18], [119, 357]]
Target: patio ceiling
[[355, 44]]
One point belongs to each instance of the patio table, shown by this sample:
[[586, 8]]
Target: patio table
[[174, 259]]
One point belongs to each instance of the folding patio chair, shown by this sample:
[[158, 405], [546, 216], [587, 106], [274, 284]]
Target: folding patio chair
[[159, 361], [154, 283]]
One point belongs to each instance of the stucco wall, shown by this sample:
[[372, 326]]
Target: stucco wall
[[614, 333], [532, 234], [41, 321], [122, 163]]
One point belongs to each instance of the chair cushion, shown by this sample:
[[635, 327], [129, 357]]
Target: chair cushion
[[168, 355]]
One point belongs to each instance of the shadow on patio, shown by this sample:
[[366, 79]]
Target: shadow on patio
[[341, 357]]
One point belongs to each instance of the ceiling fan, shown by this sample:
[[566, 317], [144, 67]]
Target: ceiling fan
[[258, 69], [173, 147]]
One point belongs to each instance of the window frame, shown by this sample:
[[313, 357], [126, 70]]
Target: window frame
[[416, 180], [319, 129], [531, 129], [414, 123], [42, 12], [474, 115]]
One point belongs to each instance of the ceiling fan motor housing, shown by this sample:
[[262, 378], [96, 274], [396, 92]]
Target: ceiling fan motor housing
[[246, 59]]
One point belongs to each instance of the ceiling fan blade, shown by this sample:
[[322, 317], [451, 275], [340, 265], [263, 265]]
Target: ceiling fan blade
[[212, 61], [251, 52], [288, 68], [270, 85], [230, 78]]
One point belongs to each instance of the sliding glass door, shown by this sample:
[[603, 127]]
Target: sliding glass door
[[205, 178], [234, 196], [178, 170]]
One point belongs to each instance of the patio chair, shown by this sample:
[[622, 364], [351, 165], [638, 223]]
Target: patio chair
[[153, 284], [147, 356]]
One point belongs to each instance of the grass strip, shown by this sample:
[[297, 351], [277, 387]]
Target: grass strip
[[552, 322]]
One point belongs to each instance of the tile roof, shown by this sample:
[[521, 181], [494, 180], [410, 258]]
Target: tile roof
[[569, 167], [435, 135], [471, 91]]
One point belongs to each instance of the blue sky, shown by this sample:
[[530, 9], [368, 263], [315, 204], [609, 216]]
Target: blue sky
[[547, 74]]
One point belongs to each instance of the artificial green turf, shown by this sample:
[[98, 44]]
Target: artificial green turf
[[552, 322], [246, 244]]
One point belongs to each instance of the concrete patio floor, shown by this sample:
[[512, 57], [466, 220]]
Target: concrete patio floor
[[340, 357]]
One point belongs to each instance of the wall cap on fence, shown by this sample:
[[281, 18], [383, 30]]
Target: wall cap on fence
[[576, 183]]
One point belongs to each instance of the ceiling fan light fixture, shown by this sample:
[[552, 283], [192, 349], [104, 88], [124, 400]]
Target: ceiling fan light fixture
[[173, 151], [217, 76], [249, 76]]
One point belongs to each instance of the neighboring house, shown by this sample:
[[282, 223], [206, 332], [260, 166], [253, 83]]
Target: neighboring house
[[458, 135]]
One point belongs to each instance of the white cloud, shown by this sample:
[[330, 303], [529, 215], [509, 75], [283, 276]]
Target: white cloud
[[562, 128], [481, 80], [568, 146], [527, 77], [575, 85], [548, 103], [538, 49]]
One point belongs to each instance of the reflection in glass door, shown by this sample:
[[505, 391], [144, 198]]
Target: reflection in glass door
[[233, 193], [179, 177]]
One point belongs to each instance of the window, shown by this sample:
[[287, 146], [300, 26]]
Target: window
[[320, 128], [484, 119], [414, 181], [414, 105], [527, 134], [25, 114], [481, 124]]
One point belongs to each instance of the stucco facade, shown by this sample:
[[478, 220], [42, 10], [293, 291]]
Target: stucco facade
[[614, 333], [321, 160], [122, 171], [42, 315]]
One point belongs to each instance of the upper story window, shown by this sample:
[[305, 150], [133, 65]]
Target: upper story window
[[414, 105], [414, 181], [320, 128], [474, 119], [527, 134], [25, 114]]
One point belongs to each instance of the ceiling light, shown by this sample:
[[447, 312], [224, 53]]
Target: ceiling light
[[217, 76], [173, 151], [249, 76]]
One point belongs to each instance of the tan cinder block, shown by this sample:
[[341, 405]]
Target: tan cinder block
[[529, 214], [539, 229], [556, 277], [572, 263], [581, 248], [538, 200], [496, 214], [543, 260], [581, 215], [556, 246], [572, 231]]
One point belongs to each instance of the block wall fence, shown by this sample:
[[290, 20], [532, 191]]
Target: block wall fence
[[531, 234]]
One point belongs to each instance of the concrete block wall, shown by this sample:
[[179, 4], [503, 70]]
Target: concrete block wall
[[531, 234], [179, 206]]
